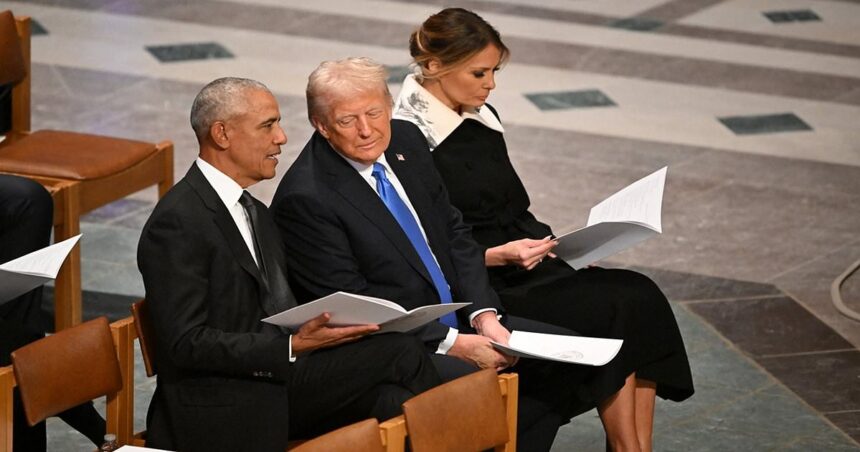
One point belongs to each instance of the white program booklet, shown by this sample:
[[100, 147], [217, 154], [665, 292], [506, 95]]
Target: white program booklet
[[617, 223], [351, 309], [27, 272], [591, 351]]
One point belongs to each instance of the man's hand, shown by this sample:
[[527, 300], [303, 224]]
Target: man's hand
[[316, 334], [526, 253], [487, 325], [478, 350]]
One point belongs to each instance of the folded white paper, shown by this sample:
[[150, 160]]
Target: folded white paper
[[32, 270], [351, 309], [591, 351], [617, 223]]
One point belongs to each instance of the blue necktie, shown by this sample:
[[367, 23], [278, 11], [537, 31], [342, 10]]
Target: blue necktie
[[407, 222]]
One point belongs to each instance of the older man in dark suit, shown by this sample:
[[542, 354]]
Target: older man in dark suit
[[363, 210], [213, 267]]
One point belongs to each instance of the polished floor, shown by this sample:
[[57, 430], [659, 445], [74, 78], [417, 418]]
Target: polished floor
[[754, 105]]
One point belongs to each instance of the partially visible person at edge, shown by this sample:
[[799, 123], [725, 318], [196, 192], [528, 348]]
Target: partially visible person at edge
[[455, 56], [26, 216]]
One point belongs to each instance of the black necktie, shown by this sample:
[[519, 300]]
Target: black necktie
[[247, 202]]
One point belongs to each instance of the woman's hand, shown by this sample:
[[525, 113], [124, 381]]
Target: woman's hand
[[525, 253]]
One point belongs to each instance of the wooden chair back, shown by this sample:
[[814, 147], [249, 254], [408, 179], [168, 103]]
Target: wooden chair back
[[145, 335], [120, 403], [467, 414], [66, 369]]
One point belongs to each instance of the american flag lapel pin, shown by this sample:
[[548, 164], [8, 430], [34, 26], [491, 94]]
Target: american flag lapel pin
[[400, 157]]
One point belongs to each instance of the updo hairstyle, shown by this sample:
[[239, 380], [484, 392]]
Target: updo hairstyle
[[452, 36]]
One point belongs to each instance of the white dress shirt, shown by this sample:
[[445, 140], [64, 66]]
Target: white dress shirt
[[230, 192]]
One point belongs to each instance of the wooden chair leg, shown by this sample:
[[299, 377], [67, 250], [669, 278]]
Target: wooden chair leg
[[67, 289], [120, 406], [7, 382]]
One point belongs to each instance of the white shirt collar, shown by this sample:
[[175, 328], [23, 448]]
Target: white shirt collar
[[367, 170], [228, 190], [435, 119]]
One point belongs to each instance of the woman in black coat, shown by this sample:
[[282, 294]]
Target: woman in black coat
[[456, 54]]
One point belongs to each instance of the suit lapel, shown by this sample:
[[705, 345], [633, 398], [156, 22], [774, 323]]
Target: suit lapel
[[355, 190], [224, 221]]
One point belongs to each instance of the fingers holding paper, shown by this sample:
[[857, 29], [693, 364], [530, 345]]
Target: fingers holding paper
[[316, 333], [525, 253]]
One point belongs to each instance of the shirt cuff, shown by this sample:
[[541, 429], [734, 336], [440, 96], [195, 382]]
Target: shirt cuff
[[446, 344], [480, 311], [292, 357]]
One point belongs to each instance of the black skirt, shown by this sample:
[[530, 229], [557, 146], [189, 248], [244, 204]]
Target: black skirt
[[612, 303]]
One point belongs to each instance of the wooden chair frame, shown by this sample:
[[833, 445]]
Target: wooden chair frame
[[394, 431], [120, 405], [73, 198]]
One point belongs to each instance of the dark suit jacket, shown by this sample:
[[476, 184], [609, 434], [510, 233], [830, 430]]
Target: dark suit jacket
[[340, 236], [221, 372]]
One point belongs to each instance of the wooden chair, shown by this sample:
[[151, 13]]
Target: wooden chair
[[83, 171], [91, 359], [467, 414], [465, 407], [362, 436]]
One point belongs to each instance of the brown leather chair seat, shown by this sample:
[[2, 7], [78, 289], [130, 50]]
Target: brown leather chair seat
[[70, 155]]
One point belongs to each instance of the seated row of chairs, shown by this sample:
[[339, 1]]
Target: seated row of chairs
[[94, 359]]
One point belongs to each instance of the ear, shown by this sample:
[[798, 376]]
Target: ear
[[434, 66], [321, 127], [218, 133]]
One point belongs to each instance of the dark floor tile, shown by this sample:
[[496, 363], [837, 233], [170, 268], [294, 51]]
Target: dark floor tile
[[637, 24], [570, 99], [758, 124], [95, 304], [673, 10], [770, 326], [681, 286], [802, 15], [827, 381], [36, 28], [396, 74], [849, 422], [187, 52]]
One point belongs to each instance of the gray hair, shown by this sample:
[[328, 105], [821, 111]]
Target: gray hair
[[333, 80], [222, 99]]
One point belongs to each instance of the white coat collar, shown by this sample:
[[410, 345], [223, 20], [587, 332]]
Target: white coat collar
[[435, 119]]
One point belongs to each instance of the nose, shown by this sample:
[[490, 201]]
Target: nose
[[490, 81], [281, 136], [363, 127]]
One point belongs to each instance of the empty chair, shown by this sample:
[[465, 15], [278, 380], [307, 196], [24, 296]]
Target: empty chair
[[91, 170], [359, 437], [464, 415], [66, 369]]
